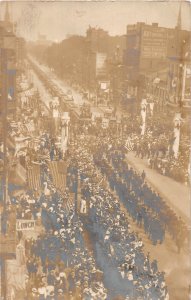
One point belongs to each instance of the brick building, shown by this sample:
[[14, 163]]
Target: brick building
[[149, 49]]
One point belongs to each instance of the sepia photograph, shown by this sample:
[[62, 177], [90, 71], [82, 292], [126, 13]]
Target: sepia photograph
[[95, 123]]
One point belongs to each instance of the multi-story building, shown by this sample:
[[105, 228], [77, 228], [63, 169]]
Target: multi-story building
[[103, 54], [149, 47], [12, 51]]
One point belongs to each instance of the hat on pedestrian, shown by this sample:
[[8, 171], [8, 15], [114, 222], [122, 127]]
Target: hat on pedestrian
[[62, 274], [52, 293]]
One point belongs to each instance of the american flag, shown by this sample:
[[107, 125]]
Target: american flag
[[33, 143], [30, 127], [69, 203], [129, 145], [59, 178], [33, 176]]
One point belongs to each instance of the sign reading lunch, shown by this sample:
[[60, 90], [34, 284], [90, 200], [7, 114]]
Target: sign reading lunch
[[25, 225]]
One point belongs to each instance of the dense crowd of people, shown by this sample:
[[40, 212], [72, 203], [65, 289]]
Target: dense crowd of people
[[142, 202], [58, 262], [59, 265], [131, 273], [86, 248], [156, 145]]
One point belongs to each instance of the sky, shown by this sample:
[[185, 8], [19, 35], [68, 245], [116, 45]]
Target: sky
[[57, 19]]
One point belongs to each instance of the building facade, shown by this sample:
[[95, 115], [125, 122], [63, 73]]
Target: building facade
[[149, 48]]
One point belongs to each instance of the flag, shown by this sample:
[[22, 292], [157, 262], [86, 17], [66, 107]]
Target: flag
[[69, 203], [33, 143], [33, 177], [59, 179], [30, 127], [129, 145]]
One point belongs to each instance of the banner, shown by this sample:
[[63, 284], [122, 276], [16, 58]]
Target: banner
[[22, 225], [83, 207], [20, 254], [104, 85], [177, 123], [151, 107]]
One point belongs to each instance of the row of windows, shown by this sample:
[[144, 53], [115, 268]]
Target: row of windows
[[153, 34], [154, 54]]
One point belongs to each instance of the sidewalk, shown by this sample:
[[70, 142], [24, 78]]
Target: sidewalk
[[176, 194]]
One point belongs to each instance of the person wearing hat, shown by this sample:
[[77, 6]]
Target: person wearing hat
[[78, 295], [34, 294], [51, 296], [42, 291], [51, 278], [71, 281], [60, 295]]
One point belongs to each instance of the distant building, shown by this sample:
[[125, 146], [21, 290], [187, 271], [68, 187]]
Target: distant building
[[8, 57], [7, 35], [101, 51], [97, 39], [149, 47]]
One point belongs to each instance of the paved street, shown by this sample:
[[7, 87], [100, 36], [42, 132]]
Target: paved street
[[45, 96], [61, 84]]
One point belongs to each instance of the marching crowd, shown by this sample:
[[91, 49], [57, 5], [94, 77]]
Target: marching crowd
[[142, 202], [91, 252], [118, 250], [59, 264]]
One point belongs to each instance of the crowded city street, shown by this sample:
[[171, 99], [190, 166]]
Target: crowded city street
[[94, 166]]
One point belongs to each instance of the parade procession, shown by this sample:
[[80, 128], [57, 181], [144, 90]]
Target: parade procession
[[94, 152]]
